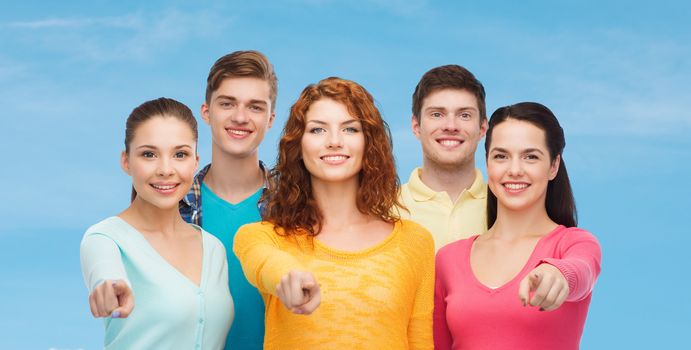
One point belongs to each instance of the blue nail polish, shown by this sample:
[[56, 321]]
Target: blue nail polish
[[115, 314]]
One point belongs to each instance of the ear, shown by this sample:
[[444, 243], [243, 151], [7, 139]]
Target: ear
[[415, 125], [483, 128], [125, 162], [554, 168], [196, 162], [205, 112], [271, 119]]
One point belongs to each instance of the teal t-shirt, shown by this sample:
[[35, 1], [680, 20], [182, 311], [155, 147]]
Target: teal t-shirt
[[223, 219]]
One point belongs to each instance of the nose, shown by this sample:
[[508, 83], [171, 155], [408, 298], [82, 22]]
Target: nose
[[451, 124], [240, 115], [335, 140], [516, 168], [165, 167]]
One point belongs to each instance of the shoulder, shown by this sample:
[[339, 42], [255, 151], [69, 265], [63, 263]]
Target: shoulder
[[261, 226], [455, 249], [112, 227], [574, 235], [413, 234]]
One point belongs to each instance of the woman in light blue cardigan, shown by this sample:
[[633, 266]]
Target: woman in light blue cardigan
[[159, 282]]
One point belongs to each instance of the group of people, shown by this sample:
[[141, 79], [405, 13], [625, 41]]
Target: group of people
[[326, 250]]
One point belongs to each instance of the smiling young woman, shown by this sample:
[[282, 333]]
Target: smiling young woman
[[334, 265], [527, 282], [177, 271]]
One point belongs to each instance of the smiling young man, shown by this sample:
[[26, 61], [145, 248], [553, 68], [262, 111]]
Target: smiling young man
[[239, 109], [447, 195]]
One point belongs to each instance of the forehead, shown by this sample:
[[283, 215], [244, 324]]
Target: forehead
[[163, 132], [451, 99], [514, 134], [328, 110], [243, 88]]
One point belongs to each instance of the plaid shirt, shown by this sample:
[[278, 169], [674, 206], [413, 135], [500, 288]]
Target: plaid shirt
[[190, 205]]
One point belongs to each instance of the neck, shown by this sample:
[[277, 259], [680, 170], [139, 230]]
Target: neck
[[148, 218], [234, 178], [517, 224], [337, 202], [452, 180]]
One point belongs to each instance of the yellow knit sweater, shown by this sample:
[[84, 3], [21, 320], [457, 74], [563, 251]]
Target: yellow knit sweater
[[377, 298]]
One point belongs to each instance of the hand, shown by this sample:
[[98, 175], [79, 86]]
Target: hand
[[111, 298], [547, 286], [299, 292]]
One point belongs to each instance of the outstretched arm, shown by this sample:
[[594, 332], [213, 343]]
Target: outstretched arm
[[105, 276], [274, 271]]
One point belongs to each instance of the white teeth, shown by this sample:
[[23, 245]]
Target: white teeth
[[238, 132], [515, 186], [450, 142], [334, 158], [158, 187]]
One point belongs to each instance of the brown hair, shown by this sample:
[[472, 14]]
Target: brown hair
[[160, 107], [252, 64], [448, 77], [289, 202]]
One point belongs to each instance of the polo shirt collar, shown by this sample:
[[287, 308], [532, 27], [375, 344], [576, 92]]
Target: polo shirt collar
[[422, 192]]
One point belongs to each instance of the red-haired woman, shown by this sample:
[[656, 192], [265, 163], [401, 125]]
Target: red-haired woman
[[335, 267]]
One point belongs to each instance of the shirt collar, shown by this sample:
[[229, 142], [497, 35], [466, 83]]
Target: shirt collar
[[422, 192]]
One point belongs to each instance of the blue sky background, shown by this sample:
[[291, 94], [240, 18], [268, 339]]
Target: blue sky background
[[615, 73]]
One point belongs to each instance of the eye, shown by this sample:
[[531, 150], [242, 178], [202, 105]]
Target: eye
[[148, 154], [257, 109], [351, 130], [436, 115], [531, 156], [317, 130], [181, 154], [466, 116], [225, 104], [499, 156]]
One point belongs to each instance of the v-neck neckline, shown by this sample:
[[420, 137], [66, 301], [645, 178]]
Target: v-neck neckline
[[154, 252], [515, 278]]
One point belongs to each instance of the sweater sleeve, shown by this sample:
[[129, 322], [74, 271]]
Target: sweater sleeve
[[420, 326], [101, 260], [442, 335], [579, 262], [263, 261]]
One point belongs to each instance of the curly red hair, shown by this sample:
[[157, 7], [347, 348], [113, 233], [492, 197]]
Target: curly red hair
[[289, 203]]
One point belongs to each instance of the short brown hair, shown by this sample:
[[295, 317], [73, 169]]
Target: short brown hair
[[252, 64], [289, 201], [451, 76]]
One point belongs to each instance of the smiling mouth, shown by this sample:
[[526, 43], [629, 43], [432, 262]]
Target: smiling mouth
[[516, 187], [165, 188], [336, 159], [238, 132], [450, 143]]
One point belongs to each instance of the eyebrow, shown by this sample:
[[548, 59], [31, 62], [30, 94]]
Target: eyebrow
[[252, 101], [154, 147], [440, 108], [527, 150], [351, 121]]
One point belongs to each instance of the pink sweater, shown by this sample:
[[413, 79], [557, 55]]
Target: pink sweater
[[470, 315]]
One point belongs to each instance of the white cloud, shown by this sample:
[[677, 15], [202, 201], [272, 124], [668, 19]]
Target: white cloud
[[136, 36]]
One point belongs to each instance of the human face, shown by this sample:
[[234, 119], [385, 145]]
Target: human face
[[519, 166], [161, 161], [333, 143], [239, 114], [449, 128]]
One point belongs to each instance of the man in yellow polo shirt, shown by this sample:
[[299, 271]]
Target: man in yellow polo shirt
[[447, 195]]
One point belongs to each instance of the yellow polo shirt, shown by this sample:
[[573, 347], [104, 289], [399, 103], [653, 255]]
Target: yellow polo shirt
[[446, 220]]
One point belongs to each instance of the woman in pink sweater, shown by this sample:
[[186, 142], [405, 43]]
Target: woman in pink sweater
[[527, 282]]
